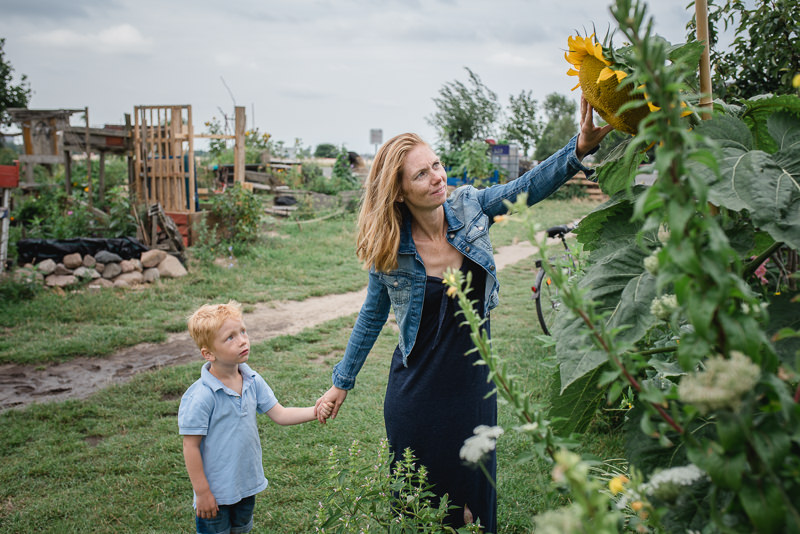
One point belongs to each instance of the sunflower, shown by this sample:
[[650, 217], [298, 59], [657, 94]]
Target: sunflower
[[600, 84]]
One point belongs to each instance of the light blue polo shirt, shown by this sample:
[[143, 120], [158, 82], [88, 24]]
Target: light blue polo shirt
[[231, 447]]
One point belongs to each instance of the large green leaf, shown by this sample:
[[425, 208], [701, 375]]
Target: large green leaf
[[766, 185], [616, 280], [784, 312], [758, 111], [573, 409]]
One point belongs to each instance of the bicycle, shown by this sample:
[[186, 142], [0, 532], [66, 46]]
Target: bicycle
[[544, 292]]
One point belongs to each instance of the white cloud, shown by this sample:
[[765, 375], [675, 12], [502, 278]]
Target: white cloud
[[120, 39]]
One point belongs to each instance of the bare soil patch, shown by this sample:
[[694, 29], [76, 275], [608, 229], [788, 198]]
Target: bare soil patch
[[21, 385]]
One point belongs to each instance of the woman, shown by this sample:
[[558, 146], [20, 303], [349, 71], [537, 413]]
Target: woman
[[409, 234]]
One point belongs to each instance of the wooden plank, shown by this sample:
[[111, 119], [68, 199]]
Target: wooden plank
[[239, 146]]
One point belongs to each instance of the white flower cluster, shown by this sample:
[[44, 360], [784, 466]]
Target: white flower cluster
[[479, 445], [669, 483], [663, 306], [721, 385], [651, 262]]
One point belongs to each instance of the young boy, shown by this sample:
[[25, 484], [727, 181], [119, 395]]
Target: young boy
[[217, 418]]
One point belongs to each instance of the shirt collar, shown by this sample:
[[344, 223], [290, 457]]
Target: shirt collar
[[215, 384]]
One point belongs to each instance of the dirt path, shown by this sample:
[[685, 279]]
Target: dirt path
[[21, 385]]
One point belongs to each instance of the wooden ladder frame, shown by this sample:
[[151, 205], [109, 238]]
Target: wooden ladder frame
[[163, 136]]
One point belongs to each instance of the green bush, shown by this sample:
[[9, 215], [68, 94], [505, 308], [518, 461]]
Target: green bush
[[234, 219]]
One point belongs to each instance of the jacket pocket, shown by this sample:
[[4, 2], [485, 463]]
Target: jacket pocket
[[398, 286]]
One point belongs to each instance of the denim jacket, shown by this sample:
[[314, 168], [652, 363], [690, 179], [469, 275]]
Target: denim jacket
[[469, 212]]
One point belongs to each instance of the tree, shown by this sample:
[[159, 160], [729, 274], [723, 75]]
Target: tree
[[326, 150], [765, 53], [464, 112], [560, 127], [11, 95], [523, 125]]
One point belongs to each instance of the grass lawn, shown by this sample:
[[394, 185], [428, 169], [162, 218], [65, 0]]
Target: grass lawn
[[113, 462]]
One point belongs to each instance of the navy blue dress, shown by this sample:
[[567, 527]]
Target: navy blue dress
[[435, 403]]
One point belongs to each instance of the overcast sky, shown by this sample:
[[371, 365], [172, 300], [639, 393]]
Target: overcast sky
[[323, 71]]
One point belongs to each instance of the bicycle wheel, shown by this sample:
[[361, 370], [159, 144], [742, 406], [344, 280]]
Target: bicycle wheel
[[547, 303]]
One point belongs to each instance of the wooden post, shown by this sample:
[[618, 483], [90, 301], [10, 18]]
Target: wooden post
[[701, 15], [192, 187], [101, 172], [67, 172], [239, 146], [88, 159]]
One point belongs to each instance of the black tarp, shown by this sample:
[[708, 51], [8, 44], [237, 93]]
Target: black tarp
[[36, 250]]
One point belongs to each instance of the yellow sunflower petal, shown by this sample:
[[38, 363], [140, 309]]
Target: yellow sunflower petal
[[575, 87], [573, 72], [605, 74]]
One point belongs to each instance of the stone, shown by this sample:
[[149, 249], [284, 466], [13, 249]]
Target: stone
[[46, 266], [151, 275], [105, 256], [131, 278], [85, 273], [100, 283], [72, 261], [151, 258], [28, 275], [100, 267], [171, 267], [60, 280], [89, 261], [126, 266], [137, 264], [62, 269], [111, 270], [123, 284]]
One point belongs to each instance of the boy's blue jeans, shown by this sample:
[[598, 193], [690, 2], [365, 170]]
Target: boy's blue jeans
[[230, 519]]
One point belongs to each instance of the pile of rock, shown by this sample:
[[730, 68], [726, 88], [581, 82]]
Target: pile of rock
[[104, 269]]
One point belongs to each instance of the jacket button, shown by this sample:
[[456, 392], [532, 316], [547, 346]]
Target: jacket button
[[480, 228], [396, 283], [491, 267], [452, 236], [467, 249]]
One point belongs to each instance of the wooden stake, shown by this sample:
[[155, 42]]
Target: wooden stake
[[701, 15]]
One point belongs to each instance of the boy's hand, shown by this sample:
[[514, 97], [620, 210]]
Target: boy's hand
[[206, 505], [324, 411]]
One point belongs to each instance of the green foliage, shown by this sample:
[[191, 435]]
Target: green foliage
[[668, 305], [524, 125], [765, 53], [367, 493], [464, 112], [256, 144], [236, 213], [342, 177], [326, 150], [12, 94], [472, 158], [560, 126]]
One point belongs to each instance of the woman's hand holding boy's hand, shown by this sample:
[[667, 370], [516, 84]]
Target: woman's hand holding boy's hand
[[324, 411], [334, 396]]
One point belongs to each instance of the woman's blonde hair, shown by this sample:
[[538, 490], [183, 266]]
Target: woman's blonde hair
[[208, 319], [380, 218]]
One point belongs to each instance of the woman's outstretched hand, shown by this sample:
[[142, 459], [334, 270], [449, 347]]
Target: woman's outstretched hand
[[590, 135], [334, 395]]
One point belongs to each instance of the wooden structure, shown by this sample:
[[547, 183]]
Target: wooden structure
[[41, 131], [9, 178], [163, 165], [111, 139]]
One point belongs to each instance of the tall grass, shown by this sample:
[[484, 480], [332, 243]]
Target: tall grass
[[113, 462]]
